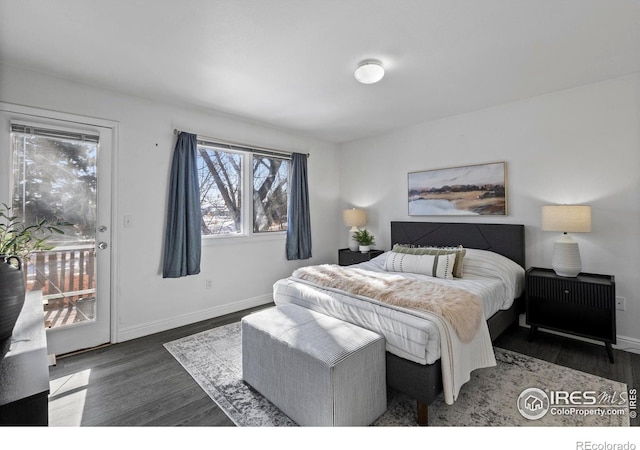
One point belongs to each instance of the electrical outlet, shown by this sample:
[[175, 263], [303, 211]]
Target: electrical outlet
[[208, 283], [620, 303]]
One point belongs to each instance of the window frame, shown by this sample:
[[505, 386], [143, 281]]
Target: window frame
[[247, 208]]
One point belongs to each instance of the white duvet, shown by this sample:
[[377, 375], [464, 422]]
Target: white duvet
[[409, 334]]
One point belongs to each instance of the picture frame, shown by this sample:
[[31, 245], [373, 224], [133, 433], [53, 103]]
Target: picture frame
[[479, 189]]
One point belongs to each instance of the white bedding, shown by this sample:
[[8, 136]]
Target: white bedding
[[496, 280]]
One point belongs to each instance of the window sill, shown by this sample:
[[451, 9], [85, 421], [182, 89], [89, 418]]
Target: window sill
[[243, 239]]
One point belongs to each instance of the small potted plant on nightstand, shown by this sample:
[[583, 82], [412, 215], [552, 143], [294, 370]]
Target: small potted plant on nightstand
[[364, 239]]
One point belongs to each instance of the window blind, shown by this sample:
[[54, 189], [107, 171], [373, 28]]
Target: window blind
[[48, 132]]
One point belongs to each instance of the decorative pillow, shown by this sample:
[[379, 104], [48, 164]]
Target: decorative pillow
[[439, 266], [458, 251], [488, 264]]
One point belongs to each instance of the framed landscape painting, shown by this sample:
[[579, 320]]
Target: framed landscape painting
[[467, 190]]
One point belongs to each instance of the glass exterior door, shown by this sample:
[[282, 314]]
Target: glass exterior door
[[61, 173]]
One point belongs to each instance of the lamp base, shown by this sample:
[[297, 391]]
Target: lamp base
[[353, 245], [566, 257]]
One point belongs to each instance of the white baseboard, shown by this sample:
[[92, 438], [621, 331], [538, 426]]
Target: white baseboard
[[628, 344], [625, 343], [187, 319]]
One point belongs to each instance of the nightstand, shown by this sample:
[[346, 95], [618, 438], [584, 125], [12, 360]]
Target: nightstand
[[582, 306], [347, 257]]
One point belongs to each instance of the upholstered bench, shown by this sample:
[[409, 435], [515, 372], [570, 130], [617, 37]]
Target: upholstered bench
[[318, 370]]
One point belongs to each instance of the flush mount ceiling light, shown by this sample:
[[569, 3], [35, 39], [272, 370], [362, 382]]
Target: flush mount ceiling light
[[369, 71]]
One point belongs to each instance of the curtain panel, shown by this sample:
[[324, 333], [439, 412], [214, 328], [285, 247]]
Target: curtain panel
[[298, 244], [182, 245]]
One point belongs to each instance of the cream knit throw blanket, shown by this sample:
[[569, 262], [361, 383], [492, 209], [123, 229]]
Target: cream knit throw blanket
[[460, 308]]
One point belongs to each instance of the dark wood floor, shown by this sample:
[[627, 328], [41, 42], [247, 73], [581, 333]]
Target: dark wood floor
[[133, 383], [575, 354], [138, 383]]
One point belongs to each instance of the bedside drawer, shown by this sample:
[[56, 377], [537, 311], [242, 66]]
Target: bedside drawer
[[346, 257], [581, 306], [567, 291]]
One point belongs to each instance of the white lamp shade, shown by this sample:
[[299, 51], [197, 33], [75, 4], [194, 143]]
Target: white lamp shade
[[354, 217], [567, 218], [369, 72]]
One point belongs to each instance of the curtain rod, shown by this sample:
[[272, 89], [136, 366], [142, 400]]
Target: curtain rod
[[213, 140]]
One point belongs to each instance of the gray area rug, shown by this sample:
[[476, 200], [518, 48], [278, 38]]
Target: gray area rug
[[213, 358]]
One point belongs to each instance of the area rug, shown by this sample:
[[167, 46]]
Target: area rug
[[213, 358]]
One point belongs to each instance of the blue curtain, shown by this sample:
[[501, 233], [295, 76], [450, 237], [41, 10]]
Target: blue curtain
[[298, 216], [182, 239]]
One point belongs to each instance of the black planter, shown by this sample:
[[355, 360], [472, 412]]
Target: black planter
[[12, 294]]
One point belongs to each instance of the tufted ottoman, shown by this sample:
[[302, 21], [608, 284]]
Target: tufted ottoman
[[318, 370]]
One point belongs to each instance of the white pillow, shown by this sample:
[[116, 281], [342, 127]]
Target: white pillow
[[487, 264], [439, 266], [429, 250]]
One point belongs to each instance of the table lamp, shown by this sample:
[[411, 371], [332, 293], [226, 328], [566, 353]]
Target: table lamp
[[567, 219], [354, 218]]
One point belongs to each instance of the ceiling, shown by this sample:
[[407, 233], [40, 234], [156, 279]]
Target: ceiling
[[289, 63]]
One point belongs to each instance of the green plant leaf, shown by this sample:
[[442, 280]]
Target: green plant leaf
[[363, 237], [19, 239]]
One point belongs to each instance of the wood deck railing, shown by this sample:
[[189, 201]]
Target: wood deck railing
[[66, 276]]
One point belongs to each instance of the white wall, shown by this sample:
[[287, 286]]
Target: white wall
[[575, 146], [242, 270]]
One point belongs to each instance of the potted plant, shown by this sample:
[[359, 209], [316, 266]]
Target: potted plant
[[364, 239], [17, 242]]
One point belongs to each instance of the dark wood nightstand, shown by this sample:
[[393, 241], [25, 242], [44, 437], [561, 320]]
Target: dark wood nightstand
[[347, 257], [582, 306]]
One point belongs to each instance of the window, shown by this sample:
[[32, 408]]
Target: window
[[225, 187], [270, 189], [220, 174], [54, 178]]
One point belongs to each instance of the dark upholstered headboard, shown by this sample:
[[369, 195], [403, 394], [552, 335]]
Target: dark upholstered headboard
[[505, 239]]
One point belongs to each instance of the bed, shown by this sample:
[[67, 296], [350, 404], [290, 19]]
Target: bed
[[414, 357]]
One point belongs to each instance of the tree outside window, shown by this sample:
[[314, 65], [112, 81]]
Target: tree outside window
[[55, 179], [222, 197], [270, 188]]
